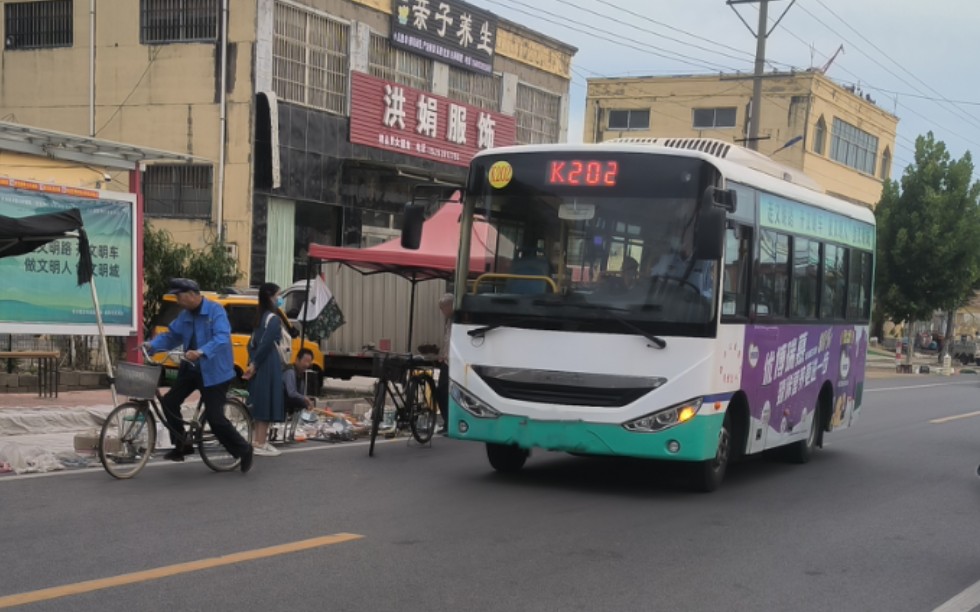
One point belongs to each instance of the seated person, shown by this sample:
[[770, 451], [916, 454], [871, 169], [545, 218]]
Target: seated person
[[294, 383], [677, 268], [627, 279]]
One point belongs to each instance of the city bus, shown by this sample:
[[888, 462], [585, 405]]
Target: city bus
[[685, 300]]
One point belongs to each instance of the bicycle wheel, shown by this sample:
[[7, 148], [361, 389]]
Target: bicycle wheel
[[377, 413], [127, 439], [420, 395], [213, 452]]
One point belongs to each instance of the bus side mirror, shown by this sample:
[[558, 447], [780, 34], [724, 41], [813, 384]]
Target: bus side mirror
[[714, 208], [726, 199], [709, 234], [414, 218]]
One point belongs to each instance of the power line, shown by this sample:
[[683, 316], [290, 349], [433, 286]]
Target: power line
[[962, 116], [618, 38], [886, 55], [870, 86], [647, 31]]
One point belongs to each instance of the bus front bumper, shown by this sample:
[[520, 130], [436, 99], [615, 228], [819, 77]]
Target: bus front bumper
[[694, 440]]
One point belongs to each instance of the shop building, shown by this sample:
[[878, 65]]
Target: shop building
[[314, 119]]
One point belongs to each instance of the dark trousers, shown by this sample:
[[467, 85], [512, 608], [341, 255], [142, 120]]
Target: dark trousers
[[442, 393], [189, 380]]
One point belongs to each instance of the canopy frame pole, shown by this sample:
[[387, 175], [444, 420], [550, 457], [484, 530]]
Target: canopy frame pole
[[411, 314]]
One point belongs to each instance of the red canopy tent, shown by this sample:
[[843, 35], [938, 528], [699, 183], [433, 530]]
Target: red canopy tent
[[435, 257]]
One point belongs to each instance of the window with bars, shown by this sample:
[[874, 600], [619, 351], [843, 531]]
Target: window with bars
[[708, 118], [182, 191], [310, 59], [392, 64], [481, 90], [538, 115], [629, 119], [170, 21], [38, 25], [853, 147]]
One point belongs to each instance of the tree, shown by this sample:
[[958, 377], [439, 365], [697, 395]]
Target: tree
[[213, 268], [928, 235]]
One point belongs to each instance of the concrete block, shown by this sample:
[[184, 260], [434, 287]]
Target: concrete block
[[69, 379], [27, 382], [8, 380], [90, 380]]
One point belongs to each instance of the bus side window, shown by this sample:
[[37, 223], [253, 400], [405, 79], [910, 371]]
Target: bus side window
[[772, 294], [737, 271]]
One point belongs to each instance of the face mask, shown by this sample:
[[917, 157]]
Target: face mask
[[280, 302]]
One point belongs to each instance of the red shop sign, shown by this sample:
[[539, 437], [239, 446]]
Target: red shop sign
[[394, 117]]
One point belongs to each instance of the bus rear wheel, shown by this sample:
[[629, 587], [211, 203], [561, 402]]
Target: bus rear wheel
[[708, 475], [802, 451], [506, 458]]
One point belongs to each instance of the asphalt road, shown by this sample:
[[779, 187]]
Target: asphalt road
[[886, 517]]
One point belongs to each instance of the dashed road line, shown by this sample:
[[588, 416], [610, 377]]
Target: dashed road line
[[89, 586], [966, 601]]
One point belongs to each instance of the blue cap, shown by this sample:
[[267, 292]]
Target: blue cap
[[180, 285]]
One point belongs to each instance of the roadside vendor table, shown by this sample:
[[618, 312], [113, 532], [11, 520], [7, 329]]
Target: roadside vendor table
[[48, 375]]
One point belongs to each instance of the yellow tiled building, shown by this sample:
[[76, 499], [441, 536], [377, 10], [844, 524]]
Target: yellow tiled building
[[841, 139]]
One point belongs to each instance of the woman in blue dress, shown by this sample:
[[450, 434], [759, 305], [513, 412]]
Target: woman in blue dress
[[264, 373]]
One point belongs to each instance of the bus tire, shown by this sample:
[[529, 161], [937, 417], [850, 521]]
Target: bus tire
[[707, 475], [506, 458], [802, 451]]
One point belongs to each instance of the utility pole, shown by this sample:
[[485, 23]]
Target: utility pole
[[761, 34]]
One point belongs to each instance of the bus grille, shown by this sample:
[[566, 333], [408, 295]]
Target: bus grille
[[567, 388]]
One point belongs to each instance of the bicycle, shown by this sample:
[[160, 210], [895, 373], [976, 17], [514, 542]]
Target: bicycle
[[408, 381], [128, 436]]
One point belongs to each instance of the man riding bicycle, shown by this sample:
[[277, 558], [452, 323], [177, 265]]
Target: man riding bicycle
[[202, 328]]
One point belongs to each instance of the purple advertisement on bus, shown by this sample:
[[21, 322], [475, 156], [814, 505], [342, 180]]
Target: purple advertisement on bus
[[784, 368]]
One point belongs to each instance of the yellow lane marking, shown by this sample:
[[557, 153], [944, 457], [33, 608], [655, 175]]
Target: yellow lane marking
[[956, 417], [172, 570]]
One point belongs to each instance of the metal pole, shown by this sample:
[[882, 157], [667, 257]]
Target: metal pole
[[305, 309], [91, 68], [411, 313], [222, 121], [760, 64], [105, 344]]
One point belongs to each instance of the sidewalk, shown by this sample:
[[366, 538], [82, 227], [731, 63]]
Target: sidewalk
[[37, 433]]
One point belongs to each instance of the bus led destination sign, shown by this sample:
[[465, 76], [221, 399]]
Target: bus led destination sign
[[793, 217], [583, 172]]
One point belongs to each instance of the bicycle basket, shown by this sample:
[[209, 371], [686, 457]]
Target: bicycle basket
[[137, 381]]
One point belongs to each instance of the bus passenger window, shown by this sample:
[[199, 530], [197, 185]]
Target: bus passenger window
[[806, 260], [772, 296], [738, 260], [858, 286], [834, 282]]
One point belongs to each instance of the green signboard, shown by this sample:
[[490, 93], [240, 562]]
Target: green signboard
[[39, 292], [803, 220]]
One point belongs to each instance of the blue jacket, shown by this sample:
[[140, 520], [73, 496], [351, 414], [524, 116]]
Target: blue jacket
[[213, 334]]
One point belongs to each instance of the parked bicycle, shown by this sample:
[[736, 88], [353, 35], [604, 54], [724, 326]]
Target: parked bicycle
[[407, 381], [128, 436]]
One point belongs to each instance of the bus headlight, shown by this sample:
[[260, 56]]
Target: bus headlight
[[469, 402], [666, 418]]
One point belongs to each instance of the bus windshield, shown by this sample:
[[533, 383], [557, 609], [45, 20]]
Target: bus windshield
[[602, 243]]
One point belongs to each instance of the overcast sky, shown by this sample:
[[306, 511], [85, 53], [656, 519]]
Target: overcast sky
[[918, 60]]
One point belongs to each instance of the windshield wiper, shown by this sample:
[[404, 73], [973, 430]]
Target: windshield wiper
[[480, 332], [610, 312]]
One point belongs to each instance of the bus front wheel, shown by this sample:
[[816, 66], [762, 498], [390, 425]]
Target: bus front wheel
[[506, 458], [707, 475]]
